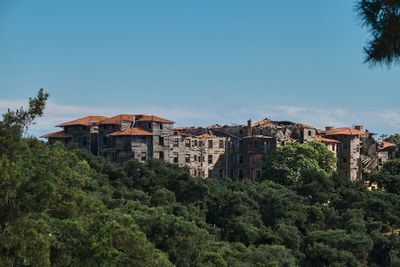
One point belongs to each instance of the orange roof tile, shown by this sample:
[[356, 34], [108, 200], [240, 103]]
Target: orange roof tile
[[60, 134], [325, 140], [387, 144], [344, 131], [131, 131], [152, 118], [118, 119], [262, 122], [205, 136], [85, 121]]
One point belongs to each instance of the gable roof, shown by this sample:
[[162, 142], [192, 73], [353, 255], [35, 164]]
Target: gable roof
[[118, 119], [387, 144], [60, 134], [325, 140], [131, 131], [85, 121], [344, 131], [152, 118]]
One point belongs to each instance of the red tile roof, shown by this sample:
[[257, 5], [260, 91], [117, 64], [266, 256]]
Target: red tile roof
[[131, 131], [152, 118], [344, 131], [118, 119], [325, 140], [85, 121], [60, 134], [387, 144]]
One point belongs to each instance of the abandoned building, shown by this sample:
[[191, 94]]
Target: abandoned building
[[236, 151]]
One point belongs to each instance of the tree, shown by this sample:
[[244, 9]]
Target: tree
[[382, 18], [288, 164]]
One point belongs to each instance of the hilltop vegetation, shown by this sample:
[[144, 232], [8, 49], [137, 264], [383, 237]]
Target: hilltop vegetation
[[65, 207]]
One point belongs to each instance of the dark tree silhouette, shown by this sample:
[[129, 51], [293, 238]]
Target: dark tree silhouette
[[382, 18]]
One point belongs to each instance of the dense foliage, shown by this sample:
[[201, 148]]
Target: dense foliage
[[382, 17], [65, 207]]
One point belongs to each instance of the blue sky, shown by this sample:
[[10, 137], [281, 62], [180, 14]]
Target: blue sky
[[196, 62]]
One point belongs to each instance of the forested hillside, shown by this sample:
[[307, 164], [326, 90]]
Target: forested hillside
[[64, 207]]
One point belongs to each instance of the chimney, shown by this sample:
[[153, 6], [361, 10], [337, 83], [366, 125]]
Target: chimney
[[249, 128], [359, 127], [328, 128]]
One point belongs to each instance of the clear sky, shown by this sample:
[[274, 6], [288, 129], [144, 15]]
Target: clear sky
[[196, 62]]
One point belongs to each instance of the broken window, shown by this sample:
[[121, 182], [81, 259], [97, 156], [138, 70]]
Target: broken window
[[221, 143], [258, 174], [187, 143], [256, 144], [210, 159], [210, 143]]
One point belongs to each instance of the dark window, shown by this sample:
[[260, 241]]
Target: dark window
[[187, 142], [201, 143], [256, 143], [210, 159], [210, 173], [258, 174], [149, 125], [210, 143], [143, 156], [309, 132], [161, 142], [221, 143], [344, 146], [345, 160], [161, 155], [175, 158], [240, 173], [240, 131], [187, 158], [161, 126], [240, 159], [195, 142], [221, 173]]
